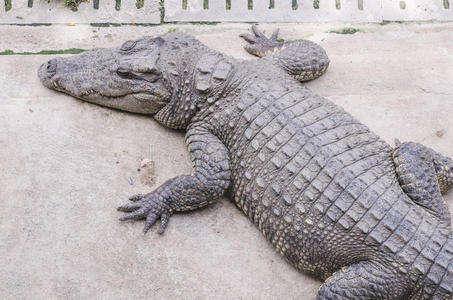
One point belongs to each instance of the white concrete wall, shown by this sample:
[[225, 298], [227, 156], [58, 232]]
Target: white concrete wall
[[55, 12], [282, 11], [355, 11], [328, 11]]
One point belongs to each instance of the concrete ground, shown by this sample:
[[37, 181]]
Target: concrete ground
[[65, 166]]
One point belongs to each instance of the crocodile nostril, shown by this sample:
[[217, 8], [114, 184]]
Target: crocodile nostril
[[51, 67]]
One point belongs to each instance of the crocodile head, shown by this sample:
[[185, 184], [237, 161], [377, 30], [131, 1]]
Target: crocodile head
[[128, 78]]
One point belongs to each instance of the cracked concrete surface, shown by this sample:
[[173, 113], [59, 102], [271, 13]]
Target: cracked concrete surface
[[67, 164]]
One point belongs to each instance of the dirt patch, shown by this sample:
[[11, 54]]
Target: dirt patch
[[440, 133], [147, 171]]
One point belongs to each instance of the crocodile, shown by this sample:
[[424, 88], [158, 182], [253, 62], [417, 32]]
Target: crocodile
[[334, 199]]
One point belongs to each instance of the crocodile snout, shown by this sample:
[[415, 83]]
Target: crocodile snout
[[47, 71]]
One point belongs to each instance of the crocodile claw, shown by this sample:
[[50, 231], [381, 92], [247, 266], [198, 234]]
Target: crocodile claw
[[149, 207], [259, 44], [136, 197]]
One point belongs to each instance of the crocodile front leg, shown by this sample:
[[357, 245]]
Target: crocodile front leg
[[302, 59], [183, 193]]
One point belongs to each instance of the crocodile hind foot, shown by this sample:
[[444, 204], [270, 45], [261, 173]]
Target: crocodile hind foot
[[302, 59], [353, 283], [259, 45], [424, 175]]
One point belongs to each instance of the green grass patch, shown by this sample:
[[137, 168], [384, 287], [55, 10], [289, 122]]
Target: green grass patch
[[73, 4], [7, 52], [162, 11], [44, 52], [250, 4], [383, 23], [117, 4], [346, 30], [228, 4], [139, 3], [32, 24], [271, 4], [7, 5], [316, 4], [172, 30]]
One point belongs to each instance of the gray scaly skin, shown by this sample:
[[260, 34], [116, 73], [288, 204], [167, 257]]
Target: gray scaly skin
[[332, 197]]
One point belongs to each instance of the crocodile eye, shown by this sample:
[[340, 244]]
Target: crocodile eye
[[123, 72], [128, 45]]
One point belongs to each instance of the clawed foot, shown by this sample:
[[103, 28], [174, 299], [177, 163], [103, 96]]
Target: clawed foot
[[259, 44], [150, 207]]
